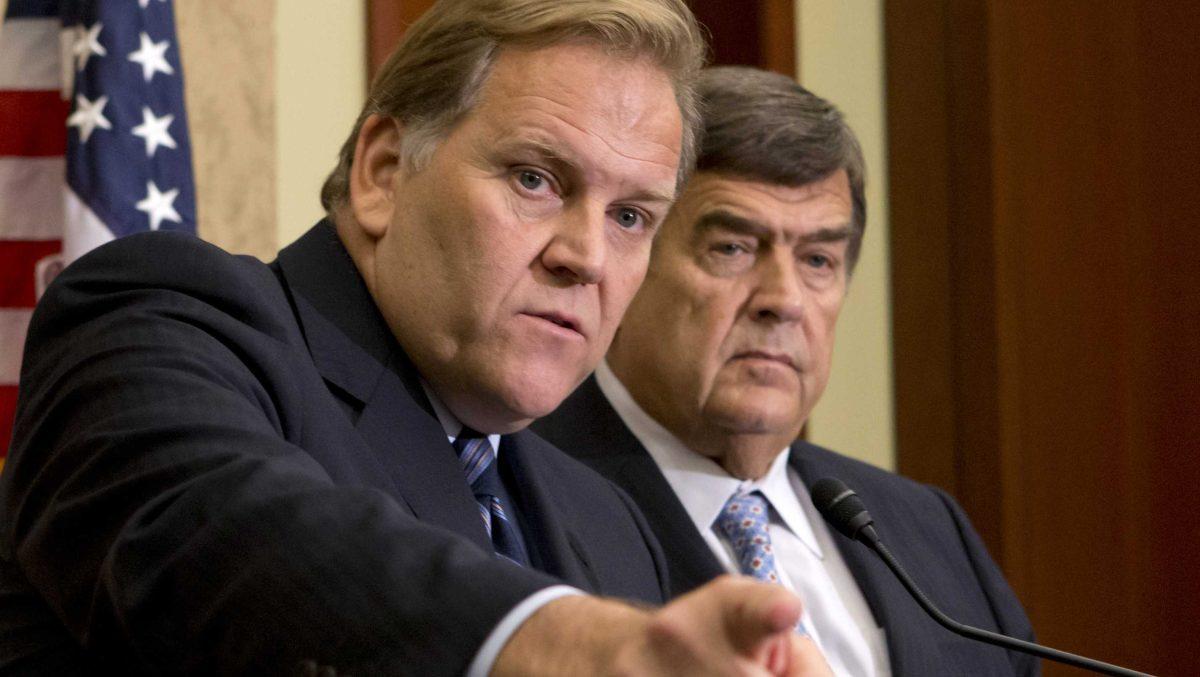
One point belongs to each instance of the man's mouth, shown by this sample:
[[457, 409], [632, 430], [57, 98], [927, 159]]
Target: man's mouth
[[782, 358], [561, 319]]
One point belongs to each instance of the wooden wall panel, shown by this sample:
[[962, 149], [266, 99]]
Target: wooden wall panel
[[777, 46], [919, 201], [1166, 366], [1045, 282], [1065, 204], [944, 296], [386, 21], [750, 33]]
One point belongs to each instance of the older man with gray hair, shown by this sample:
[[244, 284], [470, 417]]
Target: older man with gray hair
[[723, 353]]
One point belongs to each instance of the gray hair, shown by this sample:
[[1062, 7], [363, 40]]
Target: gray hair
[[764, 127], [433, 78]]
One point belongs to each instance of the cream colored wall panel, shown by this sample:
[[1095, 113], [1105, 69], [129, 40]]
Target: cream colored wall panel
[[228, 63], [840, 57], [320, 75]]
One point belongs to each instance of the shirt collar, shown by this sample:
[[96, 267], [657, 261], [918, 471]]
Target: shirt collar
[[785, 494], [702, 485], [450, 423]]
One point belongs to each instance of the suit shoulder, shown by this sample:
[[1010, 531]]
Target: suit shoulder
[[172, 266], [868, 480], [163, 259]]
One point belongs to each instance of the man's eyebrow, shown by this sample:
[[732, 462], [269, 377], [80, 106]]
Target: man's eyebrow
[[534, 145], [837, 234], [653, 196], [566, 163], [720, 219]]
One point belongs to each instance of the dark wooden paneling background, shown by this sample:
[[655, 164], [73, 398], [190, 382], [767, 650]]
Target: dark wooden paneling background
[[1044, 161], [386, 21]]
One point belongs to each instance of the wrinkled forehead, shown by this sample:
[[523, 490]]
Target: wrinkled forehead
[[713, 201], [627, 94], [613, 120]]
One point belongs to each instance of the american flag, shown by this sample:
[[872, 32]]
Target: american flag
[[93, 145]]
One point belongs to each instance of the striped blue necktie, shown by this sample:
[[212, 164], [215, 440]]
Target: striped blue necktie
[[477, 458]]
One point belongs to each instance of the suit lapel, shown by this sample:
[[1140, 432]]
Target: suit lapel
[[689, 559], [419, 457], [612, 449], [554, 548], [874, 579], [355, 352]]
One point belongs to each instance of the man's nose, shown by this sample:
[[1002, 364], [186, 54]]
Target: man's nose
[[577, 250], [779, 295]]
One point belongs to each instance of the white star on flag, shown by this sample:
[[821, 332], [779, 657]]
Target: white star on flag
[[72, 170], [87, 44], [152, 56], [159, 205], [88, 116], [154, 131]]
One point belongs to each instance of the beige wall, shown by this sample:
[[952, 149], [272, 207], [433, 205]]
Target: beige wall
[[272, 89], [229, 87], [320, 76], [840, 57]]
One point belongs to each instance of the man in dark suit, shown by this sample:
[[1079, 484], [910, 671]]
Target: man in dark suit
[[318, 466], [718, 362]]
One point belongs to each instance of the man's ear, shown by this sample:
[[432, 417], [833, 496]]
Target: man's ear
[[374, 172]]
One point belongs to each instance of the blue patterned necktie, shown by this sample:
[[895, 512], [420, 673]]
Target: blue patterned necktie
[[478, 461], [744, 521]]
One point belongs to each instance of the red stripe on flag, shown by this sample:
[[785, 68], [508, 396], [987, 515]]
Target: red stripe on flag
[[18, 261], [33, 123], [8, 408]]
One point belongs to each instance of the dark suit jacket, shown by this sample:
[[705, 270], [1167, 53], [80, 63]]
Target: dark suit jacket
[[922, 526], [224, 466]]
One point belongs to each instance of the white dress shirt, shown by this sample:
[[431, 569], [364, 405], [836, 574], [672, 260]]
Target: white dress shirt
[[835, 614], [485, 658]]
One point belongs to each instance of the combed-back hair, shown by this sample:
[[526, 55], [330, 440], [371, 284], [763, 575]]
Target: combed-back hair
[[434, 76]]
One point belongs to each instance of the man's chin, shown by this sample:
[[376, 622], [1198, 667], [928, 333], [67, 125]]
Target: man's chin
[[756, 413], [522, 402]]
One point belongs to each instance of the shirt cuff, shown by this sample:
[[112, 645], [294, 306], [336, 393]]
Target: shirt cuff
[[486, 657]]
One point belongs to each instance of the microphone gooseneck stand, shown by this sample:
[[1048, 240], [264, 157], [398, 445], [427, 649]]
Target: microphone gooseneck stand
[[843, 509]]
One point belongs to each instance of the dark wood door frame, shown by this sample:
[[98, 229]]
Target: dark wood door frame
[[1046, 318]]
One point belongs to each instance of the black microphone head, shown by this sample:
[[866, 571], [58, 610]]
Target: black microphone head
[[841, 507]]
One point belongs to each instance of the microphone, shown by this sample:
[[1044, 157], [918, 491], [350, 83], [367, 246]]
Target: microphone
[[843, 509]]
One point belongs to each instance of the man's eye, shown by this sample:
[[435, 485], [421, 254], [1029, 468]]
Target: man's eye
[[818, 261], [531, 180], [729, 248], [628, 218]]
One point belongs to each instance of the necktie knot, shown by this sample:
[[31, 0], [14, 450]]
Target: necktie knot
[[744, 521], [477, 458]]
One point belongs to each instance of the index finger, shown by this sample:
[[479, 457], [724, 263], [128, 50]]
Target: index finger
[[762, 612], [802, 658]]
